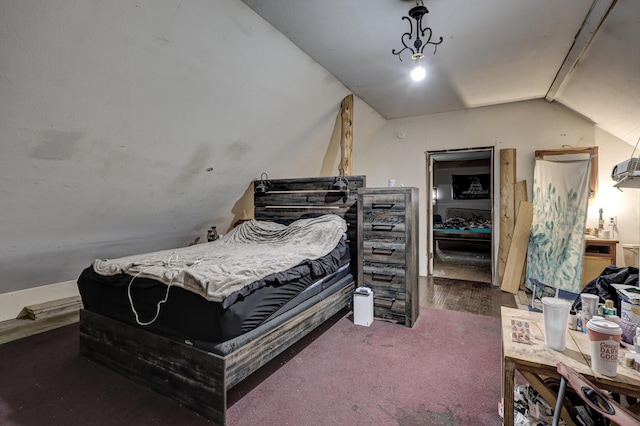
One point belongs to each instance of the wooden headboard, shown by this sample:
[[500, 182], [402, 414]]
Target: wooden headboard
[[292, 198]]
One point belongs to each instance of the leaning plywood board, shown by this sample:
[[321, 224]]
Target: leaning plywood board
[[507, 206], [520, 194], [518, 250]]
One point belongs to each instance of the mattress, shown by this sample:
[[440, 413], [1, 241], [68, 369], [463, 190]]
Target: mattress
[[189, 316]]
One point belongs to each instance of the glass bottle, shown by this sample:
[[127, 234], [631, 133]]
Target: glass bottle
[[600, 223]]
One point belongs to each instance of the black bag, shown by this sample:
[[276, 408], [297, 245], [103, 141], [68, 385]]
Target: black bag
[[602, 287]]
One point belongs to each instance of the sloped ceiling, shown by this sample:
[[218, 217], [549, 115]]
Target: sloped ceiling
[[493, 52]]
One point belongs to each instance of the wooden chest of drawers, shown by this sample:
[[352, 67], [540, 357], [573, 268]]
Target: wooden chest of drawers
[[388, 251]]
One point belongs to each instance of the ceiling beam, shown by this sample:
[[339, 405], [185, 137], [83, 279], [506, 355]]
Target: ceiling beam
[[596, 16]]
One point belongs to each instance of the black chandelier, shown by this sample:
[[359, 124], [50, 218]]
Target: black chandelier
[[422, 34]]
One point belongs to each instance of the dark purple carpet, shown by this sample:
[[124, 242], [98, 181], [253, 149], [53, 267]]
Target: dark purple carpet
[[444, 371]]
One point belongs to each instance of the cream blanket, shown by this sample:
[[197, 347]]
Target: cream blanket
[[248, 253]]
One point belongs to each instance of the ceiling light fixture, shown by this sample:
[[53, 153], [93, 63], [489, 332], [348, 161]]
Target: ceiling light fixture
[[422, 38], [419, 72]]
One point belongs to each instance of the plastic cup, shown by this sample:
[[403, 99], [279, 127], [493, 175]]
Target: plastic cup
[[556, 321], [604, 337], [589, 306]]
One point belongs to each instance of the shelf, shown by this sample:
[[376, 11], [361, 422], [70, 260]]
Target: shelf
[[628, 182]]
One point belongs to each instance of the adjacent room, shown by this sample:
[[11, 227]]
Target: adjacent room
[[252, 212], [462, 214]]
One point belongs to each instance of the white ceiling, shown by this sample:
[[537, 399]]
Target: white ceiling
[[494, 51]]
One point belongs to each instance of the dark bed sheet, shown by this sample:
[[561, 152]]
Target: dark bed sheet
[[188, 316], [226, 348]]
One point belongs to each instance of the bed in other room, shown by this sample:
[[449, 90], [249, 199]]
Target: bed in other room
[[464, 225]]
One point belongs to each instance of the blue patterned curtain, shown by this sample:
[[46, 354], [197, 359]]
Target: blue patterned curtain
[[556, 243]]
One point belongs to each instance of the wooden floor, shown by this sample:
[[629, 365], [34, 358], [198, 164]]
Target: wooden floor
[[464, 296], [462, 261]]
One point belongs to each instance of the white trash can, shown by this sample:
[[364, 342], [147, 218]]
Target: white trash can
[[363, 306], [630, 252]]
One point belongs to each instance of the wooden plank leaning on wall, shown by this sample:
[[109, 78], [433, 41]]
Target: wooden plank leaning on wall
[[518, 249], [520, 196], [507, 206]]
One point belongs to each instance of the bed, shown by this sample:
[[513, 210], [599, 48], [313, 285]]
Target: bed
[[196, 365], [464, 225]]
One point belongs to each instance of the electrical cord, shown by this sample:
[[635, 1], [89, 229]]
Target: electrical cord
[[168, 265]]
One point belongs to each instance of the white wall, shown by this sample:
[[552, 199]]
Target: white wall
[[135, 126], [621, 204], [525, 126], [132, 126]]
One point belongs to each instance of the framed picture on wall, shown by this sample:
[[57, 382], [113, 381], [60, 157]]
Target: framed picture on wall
[[471, 187]]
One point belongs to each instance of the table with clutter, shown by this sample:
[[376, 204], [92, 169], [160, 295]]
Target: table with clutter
[[527, 353]]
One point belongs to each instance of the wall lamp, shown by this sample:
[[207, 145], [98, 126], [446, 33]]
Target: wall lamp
[[340, 183], [261, 186]]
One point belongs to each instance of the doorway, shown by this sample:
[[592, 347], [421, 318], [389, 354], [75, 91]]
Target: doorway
[[460, 214]]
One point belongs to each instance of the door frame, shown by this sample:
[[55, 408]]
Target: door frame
[[458, 154]]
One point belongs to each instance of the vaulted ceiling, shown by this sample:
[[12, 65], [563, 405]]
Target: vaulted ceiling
[[583, 54]]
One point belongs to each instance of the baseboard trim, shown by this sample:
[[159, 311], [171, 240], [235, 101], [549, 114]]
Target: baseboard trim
[[12, 304]]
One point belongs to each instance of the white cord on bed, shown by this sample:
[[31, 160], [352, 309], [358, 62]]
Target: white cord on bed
[[166, 296]]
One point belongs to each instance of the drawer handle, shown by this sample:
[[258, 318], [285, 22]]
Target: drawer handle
[[378, 276], [385, 227], [386, 206], [382, 250]]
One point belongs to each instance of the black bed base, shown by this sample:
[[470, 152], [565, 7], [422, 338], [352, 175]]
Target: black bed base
[[188, 375]]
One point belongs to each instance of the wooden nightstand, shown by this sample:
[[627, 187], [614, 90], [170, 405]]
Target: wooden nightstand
[[598, 254]]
